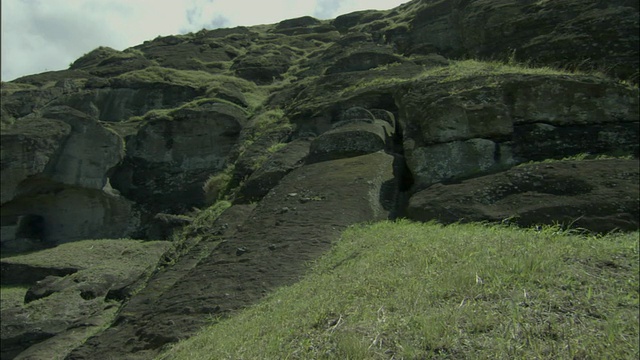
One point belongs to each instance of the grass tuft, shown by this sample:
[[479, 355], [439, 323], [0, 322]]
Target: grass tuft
[[217, 185], [581, 157], [413, 291], [458, 70]]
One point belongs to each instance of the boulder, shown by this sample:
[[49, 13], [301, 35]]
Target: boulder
[[229, 92], [385, 115], [68, 214], [348, 140], [470, 114], [194, 138], [347, 21], [89, 153], [45, 287], [458, 129], [357, 131], [163, 226], [261, 68], [598, 195], [356, 113], [55, 170], [28, 148], [169, 159], [297, 22], [455, 160], [302, 26]]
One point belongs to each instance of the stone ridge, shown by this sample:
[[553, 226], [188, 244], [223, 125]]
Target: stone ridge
[[300, 129]]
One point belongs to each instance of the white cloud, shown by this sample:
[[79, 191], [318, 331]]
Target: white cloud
[[44, 35]]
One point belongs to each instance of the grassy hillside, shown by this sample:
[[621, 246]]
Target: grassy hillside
[[421, 291]]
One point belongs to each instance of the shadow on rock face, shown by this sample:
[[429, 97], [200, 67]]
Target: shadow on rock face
[[597, 195]]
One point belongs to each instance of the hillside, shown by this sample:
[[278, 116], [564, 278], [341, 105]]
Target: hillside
[[421, 291], [229, 159]]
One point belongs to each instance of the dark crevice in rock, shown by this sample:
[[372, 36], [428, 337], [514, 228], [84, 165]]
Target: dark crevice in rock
[[22, 232], [497, 154], [401, 171], [403, 183]]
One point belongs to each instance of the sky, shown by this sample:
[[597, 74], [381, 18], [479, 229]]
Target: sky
[[47, 35]]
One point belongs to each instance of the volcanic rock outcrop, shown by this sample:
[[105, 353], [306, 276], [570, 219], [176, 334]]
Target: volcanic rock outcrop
[[252, 148]]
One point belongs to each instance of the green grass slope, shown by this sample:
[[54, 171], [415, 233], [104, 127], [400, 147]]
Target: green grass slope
[[424, 291]]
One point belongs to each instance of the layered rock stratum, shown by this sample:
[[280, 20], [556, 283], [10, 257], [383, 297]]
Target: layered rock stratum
[[238, 155]]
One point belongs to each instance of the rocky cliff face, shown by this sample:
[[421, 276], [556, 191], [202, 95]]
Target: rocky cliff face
[[309, 126]]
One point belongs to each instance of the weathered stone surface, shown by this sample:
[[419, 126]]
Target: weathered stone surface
[[455, 159], [491, 111], [56, 168], [195, 54], [168, 160], [385, 115], [231, 93], [261, 68], [256, 144], [89, 153], [458, 117], [198, 137], [105, 61], [571, 32], [297, 22], [543, 141], [364, 59], [45, 287], [562, 101], [27, 149], [72, 213], [19, 100], [273, 170], [598, 195], [125, 98], [453, 132], [293, 224], [350, 139], [23, 332], [71, 292], [356, 113], [344, 22]]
